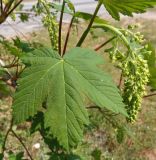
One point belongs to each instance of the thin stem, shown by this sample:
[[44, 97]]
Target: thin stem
[[60, 26], [4, 15], [22, 143], [84, 35], [94, 107], [120, 81], [6, 137], [106, 115], [116, 31], [105, 43], [150, 95], [15, 6], [1, 6], [17, 70], [101, 110], [8, 6], [10, 66], [25, 12], [67, 37]]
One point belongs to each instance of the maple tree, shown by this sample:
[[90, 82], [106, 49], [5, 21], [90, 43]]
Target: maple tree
[[54, 82]]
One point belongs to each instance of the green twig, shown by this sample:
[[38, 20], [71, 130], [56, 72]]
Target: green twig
[[120, 81], [14, 7], [8, 6], [67, 37], [1, 6], [105, 43], [150, 95], [4, 15], [60, 26], [106, 114], [84, 35], [116, 31], [5, 138], [22, 143]]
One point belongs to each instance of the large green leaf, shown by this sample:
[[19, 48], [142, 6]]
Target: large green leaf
[[60, 83], [127, 7]]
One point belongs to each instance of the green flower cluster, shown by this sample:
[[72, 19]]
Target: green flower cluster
[[50, 22], [136, 73], [135, 70]]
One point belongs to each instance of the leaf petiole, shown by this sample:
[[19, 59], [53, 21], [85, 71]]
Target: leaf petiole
[[60, 25], [84, 35]]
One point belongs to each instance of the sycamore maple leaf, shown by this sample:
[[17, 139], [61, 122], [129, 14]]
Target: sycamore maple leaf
[[61, 83]]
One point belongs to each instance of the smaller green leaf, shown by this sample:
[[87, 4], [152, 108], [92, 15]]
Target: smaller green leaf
[[19, 156], [55, 156], [70, 5], [22, 45], [13, 50], [88, 16], [58, 7], [12, 156], [120, 134], [24, 17], [96, 154], [4, 89], [2, 71]]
